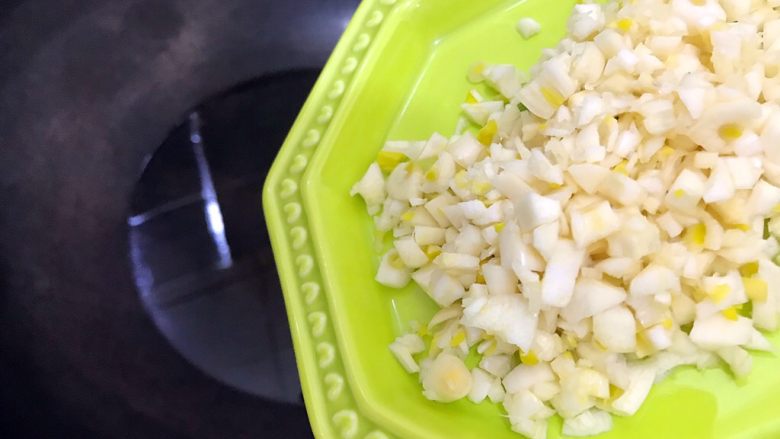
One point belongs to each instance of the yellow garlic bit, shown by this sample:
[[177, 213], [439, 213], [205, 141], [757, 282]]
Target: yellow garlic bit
[[730, 131], [432, 251], [719, 293], [756, 289], [458, 338], [529, 359], [667, 323], [665, 152], [615, 392], [679, 193], [431, 175], [624, 24], [749, 269], [470, 99], [499, 227], [730, 313], [620, 168], [388, 160], [552, 96], [486, 134], [696, 234], [643, 345], [481, 187]]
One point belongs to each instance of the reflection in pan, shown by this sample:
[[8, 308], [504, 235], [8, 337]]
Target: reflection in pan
[[201, 255]]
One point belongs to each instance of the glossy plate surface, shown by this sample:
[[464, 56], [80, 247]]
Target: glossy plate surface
[[400, 73]]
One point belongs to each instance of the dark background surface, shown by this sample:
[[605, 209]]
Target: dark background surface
[[97, 340]]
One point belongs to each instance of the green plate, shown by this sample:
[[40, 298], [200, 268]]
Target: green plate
[[399, 72]]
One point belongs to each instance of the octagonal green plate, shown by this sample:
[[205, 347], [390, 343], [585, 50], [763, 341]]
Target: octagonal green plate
[[399, 72]]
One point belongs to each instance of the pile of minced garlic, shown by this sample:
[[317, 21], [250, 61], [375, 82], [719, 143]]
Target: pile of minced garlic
[[611, 218]]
